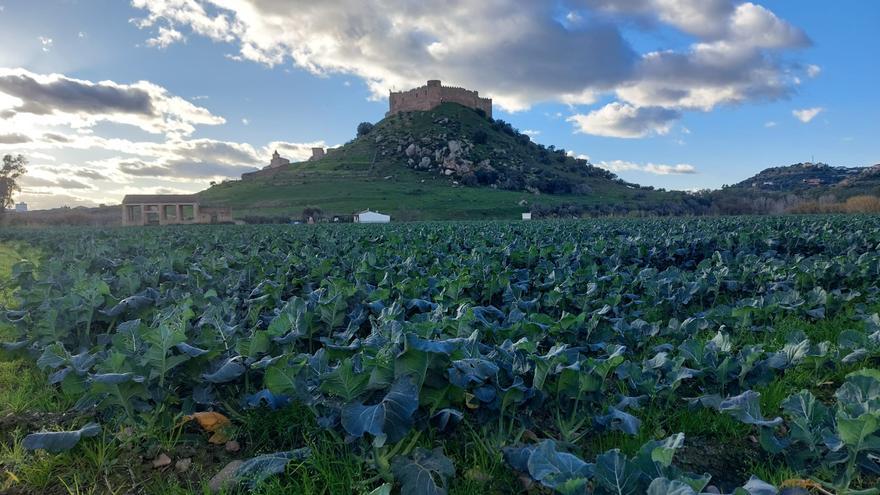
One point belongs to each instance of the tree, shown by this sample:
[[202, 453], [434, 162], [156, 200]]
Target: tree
[[13, 168], [312, 214], [364, 128]]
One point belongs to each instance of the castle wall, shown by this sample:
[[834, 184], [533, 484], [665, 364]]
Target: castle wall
[[433, 94], [467, 98]]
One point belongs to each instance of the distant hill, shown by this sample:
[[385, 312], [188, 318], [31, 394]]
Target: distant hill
[[451, 162], [802, 187], [815, 179]]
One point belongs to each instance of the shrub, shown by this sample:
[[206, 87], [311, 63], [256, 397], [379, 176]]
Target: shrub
[[364, 128], [312, 212]]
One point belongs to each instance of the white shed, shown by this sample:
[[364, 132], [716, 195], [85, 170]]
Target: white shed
[[368, 216], [527, 216]]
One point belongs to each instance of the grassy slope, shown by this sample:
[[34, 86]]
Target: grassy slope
[[348, 181]]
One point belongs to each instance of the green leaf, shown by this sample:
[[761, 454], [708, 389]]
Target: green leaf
[[616, 474], [425, 472], [253, 471], [554, 469], [663, 486], [344, 382], [58, 441], [391, 417], [853, 431]]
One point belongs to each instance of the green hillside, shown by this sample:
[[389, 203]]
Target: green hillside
[[448, 163], [814, 179]]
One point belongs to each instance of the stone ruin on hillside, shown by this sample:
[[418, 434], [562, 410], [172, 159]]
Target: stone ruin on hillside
[[432, 95]]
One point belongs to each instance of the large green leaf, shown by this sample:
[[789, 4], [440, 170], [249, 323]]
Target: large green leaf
[[424, 472], [344, 382]]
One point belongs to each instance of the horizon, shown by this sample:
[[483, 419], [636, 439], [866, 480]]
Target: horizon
[[147, 97]]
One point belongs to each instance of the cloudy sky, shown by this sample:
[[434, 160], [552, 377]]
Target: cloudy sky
[[108, 97]]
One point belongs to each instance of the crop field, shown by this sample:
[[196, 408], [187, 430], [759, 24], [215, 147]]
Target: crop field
[[685, 356]]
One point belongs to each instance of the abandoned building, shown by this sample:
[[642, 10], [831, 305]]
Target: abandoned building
[[277, 161], [433, 94], [317, 154], [170, 209]]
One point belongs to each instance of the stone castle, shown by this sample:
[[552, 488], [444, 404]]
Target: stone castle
[[433, 94]]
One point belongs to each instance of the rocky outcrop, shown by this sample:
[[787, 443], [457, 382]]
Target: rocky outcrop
[[447, 151]]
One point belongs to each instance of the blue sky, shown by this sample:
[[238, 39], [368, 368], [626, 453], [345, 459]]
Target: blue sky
[[108, 97]]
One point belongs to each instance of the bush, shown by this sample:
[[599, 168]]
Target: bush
[[364, 128], [486, 176], [480, 137], [312, 212]]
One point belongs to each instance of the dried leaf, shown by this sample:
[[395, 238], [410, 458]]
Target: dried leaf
[[212, 422]]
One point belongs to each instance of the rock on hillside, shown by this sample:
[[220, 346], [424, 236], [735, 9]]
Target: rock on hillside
[[464, 145]]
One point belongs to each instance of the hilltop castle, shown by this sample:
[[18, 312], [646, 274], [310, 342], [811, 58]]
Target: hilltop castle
[[433, 94]]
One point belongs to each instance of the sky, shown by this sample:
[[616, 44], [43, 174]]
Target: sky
[[110, 97]]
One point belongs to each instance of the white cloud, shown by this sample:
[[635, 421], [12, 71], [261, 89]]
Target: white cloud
[[531, 132], [52, 119], [29, 100], [245, 121], [813, 70], [81, 34], [622, 120], [805, 115], [46, 43], [770, 124], [736, 56], [580, 156], [165, 38], [651, 168]]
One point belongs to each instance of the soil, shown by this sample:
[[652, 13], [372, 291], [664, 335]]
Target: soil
[[729, 464]]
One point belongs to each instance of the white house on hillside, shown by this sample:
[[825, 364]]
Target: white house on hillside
[[368, 216]]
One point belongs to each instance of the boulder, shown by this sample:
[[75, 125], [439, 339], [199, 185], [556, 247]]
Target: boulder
[[412, 149]]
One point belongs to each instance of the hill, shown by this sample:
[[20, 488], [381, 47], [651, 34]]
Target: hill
[[815, 177], [802, 187], [451, 162]]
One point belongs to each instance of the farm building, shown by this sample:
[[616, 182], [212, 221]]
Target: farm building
[[527, 216], [368, 216], [21, 207], [170, 209]]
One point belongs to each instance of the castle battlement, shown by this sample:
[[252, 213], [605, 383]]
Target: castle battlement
[[432, 94]]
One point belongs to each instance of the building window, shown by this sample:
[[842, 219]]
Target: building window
[[187, 213], [169, 212]]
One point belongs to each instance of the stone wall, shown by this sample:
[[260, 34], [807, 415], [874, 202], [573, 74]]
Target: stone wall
[[433, 94]]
